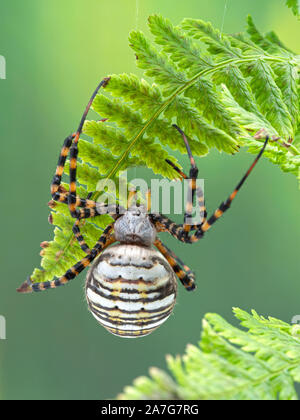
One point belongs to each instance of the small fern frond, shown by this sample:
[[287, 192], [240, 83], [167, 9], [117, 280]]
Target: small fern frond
[[263, 41], [295, 6], [269, 99], [261, 363]]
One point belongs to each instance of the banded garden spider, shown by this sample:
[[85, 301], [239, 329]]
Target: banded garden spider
[[131, 287]]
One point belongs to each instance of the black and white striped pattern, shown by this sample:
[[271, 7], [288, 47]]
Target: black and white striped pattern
[[131, 290]]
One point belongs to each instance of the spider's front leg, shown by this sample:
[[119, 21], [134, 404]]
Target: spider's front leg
[[181, 232], [58, 194], [85, 213], [193, 189], [89, 208]]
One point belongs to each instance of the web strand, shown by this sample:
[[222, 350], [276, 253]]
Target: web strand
[[224, 14], [136, 15]]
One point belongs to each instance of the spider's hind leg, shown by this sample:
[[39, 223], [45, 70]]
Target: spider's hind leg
[[164, 224]]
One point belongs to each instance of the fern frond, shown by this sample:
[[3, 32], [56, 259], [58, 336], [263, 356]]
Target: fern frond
[[218, 44], [161, 69], [221, 89], [250, 121], [270, 98], [287, 78], [261, 363], [147, 99], [272, 36], [295, 6], [283, 155], [263, 41]]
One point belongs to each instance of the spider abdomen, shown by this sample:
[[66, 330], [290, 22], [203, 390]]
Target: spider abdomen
[[131, 290]]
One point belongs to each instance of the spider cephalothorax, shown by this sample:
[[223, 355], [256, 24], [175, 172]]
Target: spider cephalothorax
[[131, 288], [135, 227]]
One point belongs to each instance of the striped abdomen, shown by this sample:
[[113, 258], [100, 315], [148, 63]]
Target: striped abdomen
[[131, 290]]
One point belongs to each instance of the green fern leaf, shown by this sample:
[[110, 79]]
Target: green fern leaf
[[219, 45], [271, 36], [221, 89], [265, 43], [270, 99], [295, 6], [287, 78], [261, 363]]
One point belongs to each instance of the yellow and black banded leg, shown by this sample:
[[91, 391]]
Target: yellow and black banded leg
[[202, 208], [183, 272], [192, 188], [105, 240], [148, 201], [74, 151], [113, 210], [73, 167], [132, 198], [164, 224], [58, 195], [56, 192], [192, 183], [76, 230], [199, 195], [89, 208], [85, 213], [225, 205]]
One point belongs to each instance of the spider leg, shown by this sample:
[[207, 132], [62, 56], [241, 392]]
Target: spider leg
[[62, 195], [183, 272], [225, 205], [132, 199], [132, 196], [192, 187], [164, 224], [76, 230], [105, 240], [89, 208], [113, 210], [199, 194], [148, 200], [72, 199], [56, 192]]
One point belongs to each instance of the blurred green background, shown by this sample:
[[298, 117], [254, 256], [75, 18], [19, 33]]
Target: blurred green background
[[56, 52]]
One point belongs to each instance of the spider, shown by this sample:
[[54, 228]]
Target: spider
[[131, 287]]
